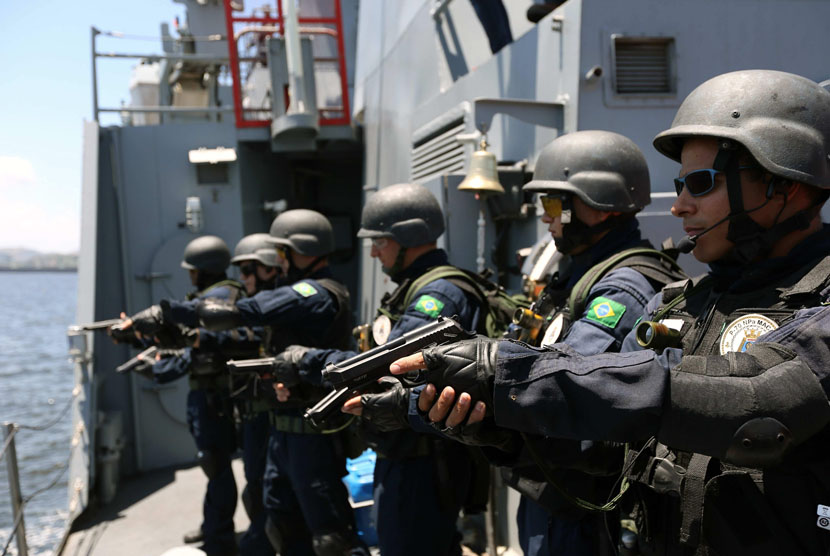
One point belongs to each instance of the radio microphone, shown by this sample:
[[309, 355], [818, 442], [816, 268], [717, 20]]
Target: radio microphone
[[688, 243]]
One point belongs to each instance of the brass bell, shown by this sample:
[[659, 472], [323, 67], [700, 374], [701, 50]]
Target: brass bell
[[483, 177]]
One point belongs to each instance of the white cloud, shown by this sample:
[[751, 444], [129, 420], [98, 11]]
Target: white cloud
[[32, 214], [15, 171], [26, 224]]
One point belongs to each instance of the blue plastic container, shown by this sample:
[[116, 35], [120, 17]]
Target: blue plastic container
[[359, 484]]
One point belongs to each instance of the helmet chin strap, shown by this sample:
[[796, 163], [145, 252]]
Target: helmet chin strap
[[269, 284], [576, 233], [750, 238], [295, 273], [397, 266]]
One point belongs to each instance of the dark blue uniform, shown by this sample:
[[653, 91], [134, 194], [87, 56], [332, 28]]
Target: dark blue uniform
[[303, 493], [559, 527], [420, 481], [767, 506], [245, 343], [210, 418]]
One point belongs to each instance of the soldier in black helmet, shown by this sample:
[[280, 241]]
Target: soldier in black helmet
[[420, 479], [259, 269], [728, 424], [592, 184], [259, 265], [209, 408], [305, 500]]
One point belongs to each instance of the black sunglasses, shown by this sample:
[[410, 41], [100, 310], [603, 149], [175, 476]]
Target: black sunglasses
[[701, 182], [247, 269]]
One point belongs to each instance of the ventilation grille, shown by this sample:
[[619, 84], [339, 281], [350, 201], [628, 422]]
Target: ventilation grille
[[438, 153], [643, 65]]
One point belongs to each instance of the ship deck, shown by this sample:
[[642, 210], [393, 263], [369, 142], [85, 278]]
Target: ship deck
[[148, 515]]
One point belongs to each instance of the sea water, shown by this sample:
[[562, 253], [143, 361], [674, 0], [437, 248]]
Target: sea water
[[36, 383]]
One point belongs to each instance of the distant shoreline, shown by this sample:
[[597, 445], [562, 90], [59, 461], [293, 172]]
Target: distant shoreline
[[33, 269]]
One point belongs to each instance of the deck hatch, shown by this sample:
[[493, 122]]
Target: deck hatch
[[643, 65]]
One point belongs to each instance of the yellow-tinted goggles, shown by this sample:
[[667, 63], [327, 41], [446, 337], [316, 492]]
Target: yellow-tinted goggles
[[282, 252], [552, 206], [557, 206]]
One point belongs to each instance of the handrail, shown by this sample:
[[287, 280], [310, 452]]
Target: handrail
[[330, 115], [269, 24], [170, 109], [19, 529], [275, 29], [18, 502]]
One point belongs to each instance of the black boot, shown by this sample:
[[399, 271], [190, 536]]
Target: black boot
[[192, 537]]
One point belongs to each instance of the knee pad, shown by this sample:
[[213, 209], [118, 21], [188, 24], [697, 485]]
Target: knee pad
[[210, 462], [344, 542], [252, 500]]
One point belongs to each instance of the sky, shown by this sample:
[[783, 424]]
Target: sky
[[46, 94]]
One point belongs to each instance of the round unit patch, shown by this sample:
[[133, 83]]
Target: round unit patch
[[744, 331], [553, 331], [381, 329]]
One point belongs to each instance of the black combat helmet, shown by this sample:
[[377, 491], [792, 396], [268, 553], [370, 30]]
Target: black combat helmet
[[305, 231], [208, 254], [606, 170], [406, 212], [255, 247], [782, 119]]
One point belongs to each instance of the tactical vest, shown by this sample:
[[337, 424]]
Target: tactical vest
[[688, 503], [496, 306], [402, 444], [335, 336], [559, 306], [207, 369], [569, 492]]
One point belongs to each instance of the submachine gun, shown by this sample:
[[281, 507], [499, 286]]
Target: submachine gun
[[360, 373]]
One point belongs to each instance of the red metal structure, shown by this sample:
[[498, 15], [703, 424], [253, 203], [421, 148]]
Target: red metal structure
[[330, 26]]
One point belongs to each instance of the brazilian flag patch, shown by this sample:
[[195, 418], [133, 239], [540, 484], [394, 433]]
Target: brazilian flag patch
[[428, 305], [606, 311], [304, 289]]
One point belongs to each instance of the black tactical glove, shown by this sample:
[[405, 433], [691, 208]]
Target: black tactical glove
[[468, 366], [287, 365], [387, 410], [149, 321], [484, 434], [218, 315], [190, 337], [121, 335]]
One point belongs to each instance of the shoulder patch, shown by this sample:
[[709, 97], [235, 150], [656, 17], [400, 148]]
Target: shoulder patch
[[304, 289], [430, 306], [605, 311]]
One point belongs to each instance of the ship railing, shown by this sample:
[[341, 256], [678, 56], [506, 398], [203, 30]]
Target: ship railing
[[327, 23], [8, 451], [97, 110]]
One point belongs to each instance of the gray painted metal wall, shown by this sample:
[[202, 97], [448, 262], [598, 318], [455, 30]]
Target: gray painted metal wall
[[409, 78], [133, 245]]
